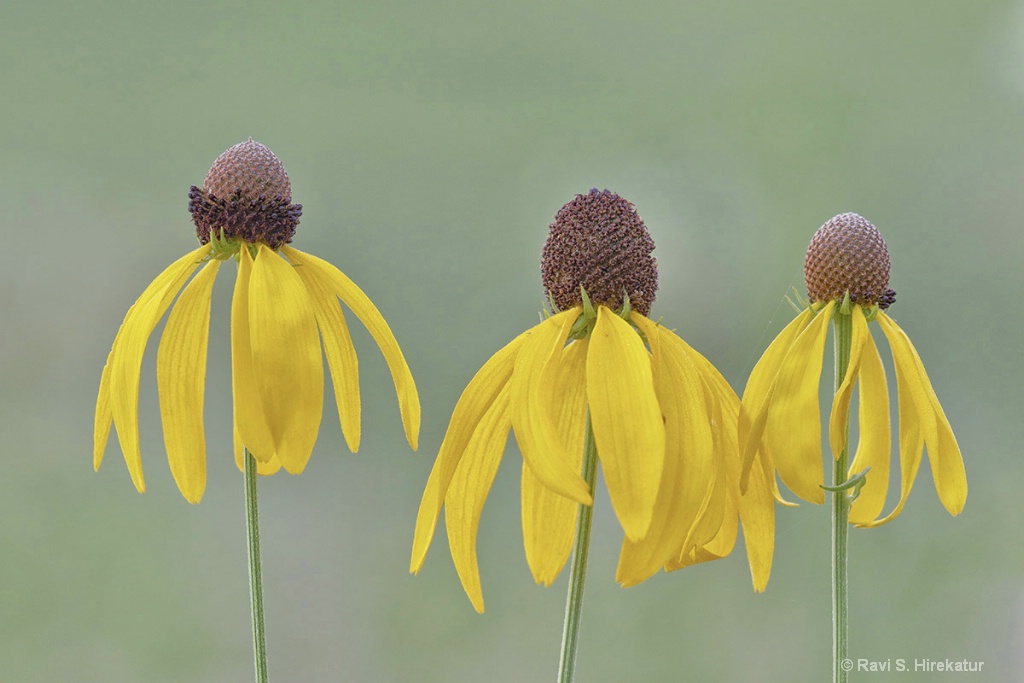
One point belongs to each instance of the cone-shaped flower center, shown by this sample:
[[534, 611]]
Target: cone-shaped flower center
[[600, 243], [848, 254], [246, 196]]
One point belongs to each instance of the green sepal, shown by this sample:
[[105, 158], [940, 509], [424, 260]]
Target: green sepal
[[846, 305], [588, 308], [222, 248]]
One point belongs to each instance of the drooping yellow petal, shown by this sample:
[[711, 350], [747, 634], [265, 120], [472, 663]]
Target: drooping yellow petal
[[548, 518], [716, 525], [286, 358], [181, 379], [262, 468], [725, 540], [689, 448], [104, 417], [757, 514], [947, 465], [943, 451], [873, 450], [474, 404], [126, 358], [840, 417], [794, 416], [713, 535], [757, 503], [534, 413], [355, 299], [249, 419], [468, 491], [757, 394], [626, 418], [341, 354], [912, 438]]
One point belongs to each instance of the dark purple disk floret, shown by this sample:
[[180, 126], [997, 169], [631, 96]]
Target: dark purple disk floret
[[598, 241], [247, 195]]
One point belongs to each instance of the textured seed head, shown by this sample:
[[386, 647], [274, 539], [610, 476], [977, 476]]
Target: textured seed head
[[848, 254], [598, 241], [246, 195], [251, 170]]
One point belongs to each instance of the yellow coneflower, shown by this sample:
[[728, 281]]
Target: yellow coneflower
[[847, 274], [285, 302], [598, 374]]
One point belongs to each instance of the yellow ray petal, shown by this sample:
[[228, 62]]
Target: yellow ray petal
[[341, 354], [104, 417], [716, 526], [534, 413], [710, 515], [757, 504], [947, 465], [181, 379], [725, 540], [689, 448], [713, 535], [355, 299], [757, 393], [793, 432], [626, 417], [911, 442], [725, 409], [548, 518], [468, 491], [757, 514], [262, 468], [873, 450], [286, 358], [840, 417], [474, 404], [249, 418], [126, 361], [943, 452]]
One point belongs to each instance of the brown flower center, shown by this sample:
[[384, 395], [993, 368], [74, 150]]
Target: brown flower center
[[246, 196], [598, 241], [848, 254]]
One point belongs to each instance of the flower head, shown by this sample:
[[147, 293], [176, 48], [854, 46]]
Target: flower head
[[285, 303], [847, 273], [599, 244], [663, 420]]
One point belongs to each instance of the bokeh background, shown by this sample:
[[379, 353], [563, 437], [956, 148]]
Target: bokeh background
[[430, 144]]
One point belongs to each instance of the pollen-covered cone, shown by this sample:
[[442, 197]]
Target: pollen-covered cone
[[847, 269], [285, 304]]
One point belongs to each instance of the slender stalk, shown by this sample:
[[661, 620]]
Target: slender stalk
[[252, 524], [843, 328], [578, 571]]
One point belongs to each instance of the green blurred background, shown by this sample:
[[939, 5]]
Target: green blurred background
[[430, 145]]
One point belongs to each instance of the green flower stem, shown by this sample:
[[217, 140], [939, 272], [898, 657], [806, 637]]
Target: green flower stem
[[578, 572], [843, 327], [252, 524]]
